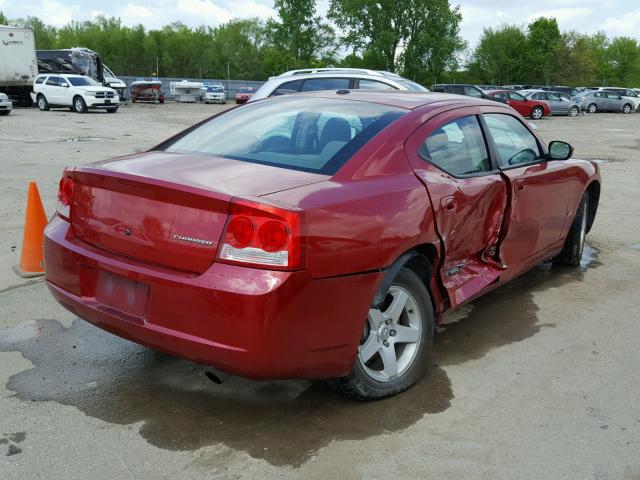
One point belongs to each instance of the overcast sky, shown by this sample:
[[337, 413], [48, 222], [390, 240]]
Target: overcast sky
[[615, 17]]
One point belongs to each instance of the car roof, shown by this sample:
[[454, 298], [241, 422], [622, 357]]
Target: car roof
[[65, 75], [402, 99]]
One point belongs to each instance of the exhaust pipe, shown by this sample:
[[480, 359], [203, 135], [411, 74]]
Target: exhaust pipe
[[216, 376]]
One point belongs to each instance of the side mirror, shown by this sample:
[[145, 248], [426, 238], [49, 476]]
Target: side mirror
[[560, 150]]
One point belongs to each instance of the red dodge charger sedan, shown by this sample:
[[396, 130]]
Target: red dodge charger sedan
[[318, 235], [535, 109]]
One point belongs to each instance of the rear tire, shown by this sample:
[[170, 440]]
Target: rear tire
[[396, 344], [627, 108], [571, 253], [537, 113], [43, 105], [574, 111], [592, 108], [79, 105]]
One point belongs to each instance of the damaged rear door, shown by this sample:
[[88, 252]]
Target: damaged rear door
[[450, 154]]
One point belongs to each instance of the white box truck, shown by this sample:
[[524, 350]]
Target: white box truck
[[18, 63]]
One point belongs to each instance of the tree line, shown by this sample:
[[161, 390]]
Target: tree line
[[419, 39]]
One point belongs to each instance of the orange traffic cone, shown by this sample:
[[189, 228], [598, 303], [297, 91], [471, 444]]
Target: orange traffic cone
[[32, 257]]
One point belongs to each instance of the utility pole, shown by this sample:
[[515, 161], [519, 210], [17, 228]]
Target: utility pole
[[228, 79]]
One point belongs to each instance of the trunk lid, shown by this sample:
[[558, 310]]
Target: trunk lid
[[168, 209]]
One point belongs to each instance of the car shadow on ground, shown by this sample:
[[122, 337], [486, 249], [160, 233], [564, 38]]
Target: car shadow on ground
[[282, 422]]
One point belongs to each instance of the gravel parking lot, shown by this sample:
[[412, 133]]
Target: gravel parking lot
[[538, 380]]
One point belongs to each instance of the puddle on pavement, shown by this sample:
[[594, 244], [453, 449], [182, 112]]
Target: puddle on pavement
[[282, 422]]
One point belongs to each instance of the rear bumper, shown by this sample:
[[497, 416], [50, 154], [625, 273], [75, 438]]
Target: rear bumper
[[250, 322]]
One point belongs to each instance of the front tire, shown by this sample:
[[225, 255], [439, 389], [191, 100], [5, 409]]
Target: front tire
[[43, 105], [537, 113], [574, 111], [396, 344], [627, 108], [79, 105], [571, 253]]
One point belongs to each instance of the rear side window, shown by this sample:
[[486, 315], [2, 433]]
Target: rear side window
[[458, 148], [374, 85], [310, 134], [472, 92], [314, 84], [287, 88], [516, 145]]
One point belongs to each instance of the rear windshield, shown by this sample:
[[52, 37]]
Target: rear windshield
[[310, 134], [82, 81]]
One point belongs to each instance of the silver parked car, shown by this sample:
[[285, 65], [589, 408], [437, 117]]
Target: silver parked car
[[604, 101], [310, 80], [560, 103]]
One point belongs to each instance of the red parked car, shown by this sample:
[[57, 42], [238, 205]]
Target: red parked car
[[318, 235], [244, 94], [535, 109]]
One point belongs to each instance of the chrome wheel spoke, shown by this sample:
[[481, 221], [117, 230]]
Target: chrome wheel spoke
[[398, 303], [406, 334], [369, 348], [390, 361], [376, 318]]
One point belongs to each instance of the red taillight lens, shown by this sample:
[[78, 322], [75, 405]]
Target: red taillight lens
[[263, 234], [65, 194]]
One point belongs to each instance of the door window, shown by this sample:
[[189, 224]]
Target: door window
[[553, 97], [614, 96], [503, 95], [374, 85], [539, 96], [516, 96], [458, 148], [516, 145], [54, 81], [314, 84]]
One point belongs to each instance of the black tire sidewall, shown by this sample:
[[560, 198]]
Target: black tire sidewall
[[84, 105], [369, 388]]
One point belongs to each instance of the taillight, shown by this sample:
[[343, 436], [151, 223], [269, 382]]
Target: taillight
[[65, 194], [264, 235]]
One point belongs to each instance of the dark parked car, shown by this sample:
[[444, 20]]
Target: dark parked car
[[464, 89], [319, 235]]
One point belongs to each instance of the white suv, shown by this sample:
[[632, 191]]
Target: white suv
[[309, 80], [77, 92]]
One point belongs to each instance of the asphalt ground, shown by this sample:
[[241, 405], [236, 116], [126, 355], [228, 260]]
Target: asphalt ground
[[539, 379]]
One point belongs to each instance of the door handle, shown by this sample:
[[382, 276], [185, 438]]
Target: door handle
[[519, 186]]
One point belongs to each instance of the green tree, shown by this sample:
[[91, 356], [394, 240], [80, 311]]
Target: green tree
[[374, 29], [543, 45], [433, 40], [3, 20], [624, 59], [501, 56], [301, 36], [575, 66]]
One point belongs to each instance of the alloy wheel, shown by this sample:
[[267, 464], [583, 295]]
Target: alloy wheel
[[537, 113], [391, 337]]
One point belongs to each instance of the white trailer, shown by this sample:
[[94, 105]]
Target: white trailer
[[18, 63], [186, 91]]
